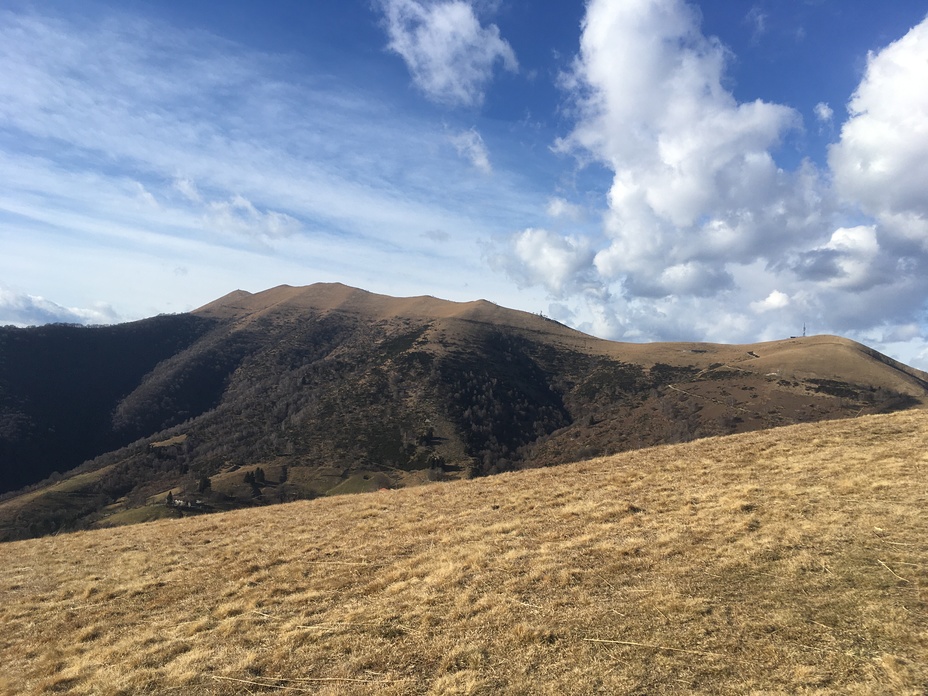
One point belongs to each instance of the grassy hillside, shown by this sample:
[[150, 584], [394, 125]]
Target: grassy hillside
[[59, 385], [789, 561]]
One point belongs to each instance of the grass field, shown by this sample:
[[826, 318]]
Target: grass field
[[790, 561]]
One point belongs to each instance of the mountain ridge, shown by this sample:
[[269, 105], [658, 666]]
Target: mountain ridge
[[242, 304], [328, 388], [337, 297]]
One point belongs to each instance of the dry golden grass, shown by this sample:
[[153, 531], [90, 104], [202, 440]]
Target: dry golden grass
[[792, 561]]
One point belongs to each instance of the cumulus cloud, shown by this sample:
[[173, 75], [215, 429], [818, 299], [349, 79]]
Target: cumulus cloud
[[706, 235], [545, 258], [560, 208], [471, 147], [775, 300], [855, 256], [22, 309], [881, 160], [450, 55], [692, 166], [879, 166], [824, 113]]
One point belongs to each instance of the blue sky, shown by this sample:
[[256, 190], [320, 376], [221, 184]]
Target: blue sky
[[639, 169]]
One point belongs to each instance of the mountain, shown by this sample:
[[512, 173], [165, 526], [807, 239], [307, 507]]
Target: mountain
[[786, 561], [298, 392]]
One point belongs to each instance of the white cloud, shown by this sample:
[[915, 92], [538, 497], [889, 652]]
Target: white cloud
[[21, 309], [856, 251], [471, 147], [757, 19], [689, 160], [188, 189], [920, 359], [689, 278], [560, 208], [450, 55], [775, 300], [901, 333], [161, 104], [130, 149], [824, 113], [881, 160], [850, 260], [551, 260], [707, 237], [238, 215]]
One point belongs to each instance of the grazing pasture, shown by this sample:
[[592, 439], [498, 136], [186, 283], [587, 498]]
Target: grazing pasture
[[792, 560]]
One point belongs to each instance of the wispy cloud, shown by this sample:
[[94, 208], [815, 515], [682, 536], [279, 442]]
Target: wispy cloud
[[559, 208], [187, 189], [161, 148], [450, 55], [756, 18], [239, 215], [470, 146]]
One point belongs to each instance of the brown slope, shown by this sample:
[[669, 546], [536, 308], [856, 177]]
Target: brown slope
[[833, 357], [825, 357], [329, 297], [780, 562], [324, 298]]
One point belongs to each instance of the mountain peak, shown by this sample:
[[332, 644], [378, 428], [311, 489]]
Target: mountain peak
[[324, 298]]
